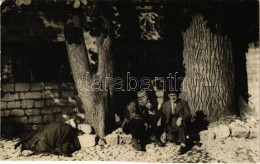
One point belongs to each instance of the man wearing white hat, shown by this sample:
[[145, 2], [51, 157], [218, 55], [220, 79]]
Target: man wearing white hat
[[176, 117]]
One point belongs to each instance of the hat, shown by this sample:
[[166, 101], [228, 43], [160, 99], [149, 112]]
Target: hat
[[171, 92]]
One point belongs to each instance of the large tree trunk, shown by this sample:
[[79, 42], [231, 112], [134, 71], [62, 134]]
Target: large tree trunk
[[209, 74], [95, 102]]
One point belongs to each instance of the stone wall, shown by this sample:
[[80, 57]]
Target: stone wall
[[252, 64], [36, 104]]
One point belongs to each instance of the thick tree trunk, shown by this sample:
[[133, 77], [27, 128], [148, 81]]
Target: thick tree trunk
[[209, 74], [90, 85]]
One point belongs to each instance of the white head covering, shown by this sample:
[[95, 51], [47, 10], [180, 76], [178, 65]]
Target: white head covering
[[72, 123]]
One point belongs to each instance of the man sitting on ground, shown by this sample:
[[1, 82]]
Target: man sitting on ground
[[176, 117], [141, 119]]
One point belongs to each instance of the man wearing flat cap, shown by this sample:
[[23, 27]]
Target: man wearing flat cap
[[176, 117], [141, 119]]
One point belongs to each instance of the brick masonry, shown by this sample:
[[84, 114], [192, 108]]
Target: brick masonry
[[253, 66], [36, 104]]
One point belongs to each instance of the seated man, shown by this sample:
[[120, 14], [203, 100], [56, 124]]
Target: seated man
[[176, 117], [141, 120]]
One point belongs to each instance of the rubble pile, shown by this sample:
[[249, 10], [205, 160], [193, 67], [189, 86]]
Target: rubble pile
[[233, 142]]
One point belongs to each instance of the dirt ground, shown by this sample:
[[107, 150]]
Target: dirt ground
[[153, 153], [223, 151]]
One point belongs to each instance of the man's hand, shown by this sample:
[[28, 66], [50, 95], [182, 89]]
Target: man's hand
[[178, 122], [163, 137], [159, 123], [146, 126], [149, 105]]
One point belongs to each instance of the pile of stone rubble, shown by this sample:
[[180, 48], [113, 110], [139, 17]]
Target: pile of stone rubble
[[237, 141]]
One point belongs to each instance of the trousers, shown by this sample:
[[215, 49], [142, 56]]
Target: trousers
[[178, 133], [138, 129]]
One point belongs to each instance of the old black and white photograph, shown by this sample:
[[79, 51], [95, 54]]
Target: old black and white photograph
[[151, 81]]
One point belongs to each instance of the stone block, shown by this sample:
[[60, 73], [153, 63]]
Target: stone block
[[112, 139], [51, 86], [7, 87], [59, 102], [3, 105], [50, 94], [72, 110], [239, 132], [27, 103], [33, 112], [239, 129], [68, 86], [87, 129], [5, 113], [222, 132], [207, 135], [14, 104], [72, 101], [17, 112], [35, 119], [37, 86], [46, 111], [22, 120], [253, 133], [57, 109], [30, 95], [251, 122], [87, 140], [22, 87], [10, 97], [66, 94], [125, 139], [48, 102], [48, 118], [39, 103]]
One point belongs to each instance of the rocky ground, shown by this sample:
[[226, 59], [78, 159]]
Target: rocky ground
[[112, 153], [228, 150], [233, 150], [232, 141]]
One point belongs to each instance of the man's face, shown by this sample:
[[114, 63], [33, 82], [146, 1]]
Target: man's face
[[143, 100], [173, 97]]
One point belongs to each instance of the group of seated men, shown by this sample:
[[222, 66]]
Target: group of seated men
[[148, 120]]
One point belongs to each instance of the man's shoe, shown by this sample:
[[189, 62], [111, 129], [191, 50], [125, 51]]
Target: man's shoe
[[183, 150], [157, 141], [136, 145]]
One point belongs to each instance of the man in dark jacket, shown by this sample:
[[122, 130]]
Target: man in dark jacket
[[176, 117], [141, 119], [56, 138]]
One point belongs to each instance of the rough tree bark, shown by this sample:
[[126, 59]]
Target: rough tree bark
[[209, 69], [95, 93]]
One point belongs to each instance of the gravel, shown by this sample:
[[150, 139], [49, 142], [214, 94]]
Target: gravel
[[231, 150]]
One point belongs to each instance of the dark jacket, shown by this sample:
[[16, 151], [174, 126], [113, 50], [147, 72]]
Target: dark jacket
[[57, 138], [142, 113], [182, 110]]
